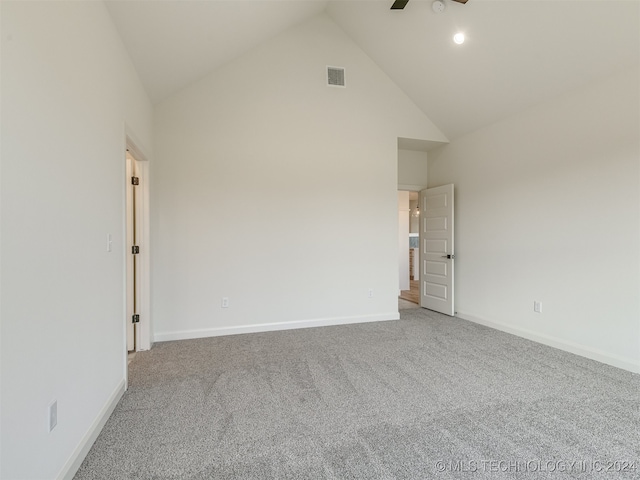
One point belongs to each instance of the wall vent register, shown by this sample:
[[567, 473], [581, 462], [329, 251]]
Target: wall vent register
[[335, 76]]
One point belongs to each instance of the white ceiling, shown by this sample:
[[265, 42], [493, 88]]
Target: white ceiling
[[175, 42], [518, 52]]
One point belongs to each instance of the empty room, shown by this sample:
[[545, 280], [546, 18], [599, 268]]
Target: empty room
[[212, 211]]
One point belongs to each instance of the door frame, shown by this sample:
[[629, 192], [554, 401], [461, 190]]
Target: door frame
[[143, 234], [131, 164]]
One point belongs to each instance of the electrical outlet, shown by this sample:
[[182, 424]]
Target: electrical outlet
[[370, 293], [225, 302], [53, 415], [537, 306]]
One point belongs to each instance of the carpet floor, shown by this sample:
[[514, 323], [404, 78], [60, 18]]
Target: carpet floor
[[427, 396]]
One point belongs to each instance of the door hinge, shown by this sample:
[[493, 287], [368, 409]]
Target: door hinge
[[135, 181], [135, 249], [135, 318]]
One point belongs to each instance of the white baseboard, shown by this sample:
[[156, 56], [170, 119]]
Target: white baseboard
[[270, 327], [77, 457], [588, 352]]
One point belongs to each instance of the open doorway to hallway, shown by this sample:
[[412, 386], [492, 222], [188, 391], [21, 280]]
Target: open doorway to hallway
[[136, 246], [408, 252], [132, 184]]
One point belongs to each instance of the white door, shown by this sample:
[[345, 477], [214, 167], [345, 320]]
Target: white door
[[436, 249]]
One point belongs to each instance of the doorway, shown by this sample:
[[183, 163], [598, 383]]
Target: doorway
[[136, 250], [132, 251], [408, 253]]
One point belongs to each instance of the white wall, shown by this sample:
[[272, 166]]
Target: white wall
[[547, 209], [68, 88], [260, 164], [403, 240], [412, 168]]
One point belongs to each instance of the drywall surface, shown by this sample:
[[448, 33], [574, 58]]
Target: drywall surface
[[547, 209], [278, 192], [412, 169], [68, 87]]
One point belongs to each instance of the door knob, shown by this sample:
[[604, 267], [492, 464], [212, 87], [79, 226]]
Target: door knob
[[448, 256]]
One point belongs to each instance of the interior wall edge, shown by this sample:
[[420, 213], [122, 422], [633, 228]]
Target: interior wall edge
[[72, 465], [272, 327], [551, 341]]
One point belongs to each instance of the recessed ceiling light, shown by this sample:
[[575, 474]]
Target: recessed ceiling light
[[459, 38]]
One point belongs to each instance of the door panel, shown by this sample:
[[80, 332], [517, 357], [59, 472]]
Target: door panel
[[436, 268], [437, 253]]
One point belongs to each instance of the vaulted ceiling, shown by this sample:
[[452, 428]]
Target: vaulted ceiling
[[517, 52]]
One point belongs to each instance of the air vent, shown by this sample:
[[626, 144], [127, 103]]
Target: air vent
[[335, 76]]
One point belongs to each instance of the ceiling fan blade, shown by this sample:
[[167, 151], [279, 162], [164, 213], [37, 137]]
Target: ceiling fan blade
[[461, 1], [400, 4]]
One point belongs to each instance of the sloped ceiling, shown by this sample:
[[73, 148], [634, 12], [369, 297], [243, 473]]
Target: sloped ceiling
[[517, 53], [175, 42]]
